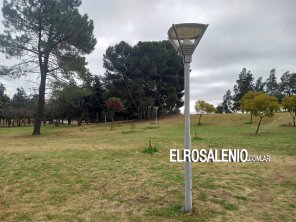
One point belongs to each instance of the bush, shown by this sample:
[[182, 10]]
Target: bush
[[150, 149]]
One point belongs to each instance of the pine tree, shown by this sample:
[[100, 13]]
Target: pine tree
[[50, 35]]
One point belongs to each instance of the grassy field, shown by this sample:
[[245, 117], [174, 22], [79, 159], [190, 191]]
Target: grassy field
[[92, 173]]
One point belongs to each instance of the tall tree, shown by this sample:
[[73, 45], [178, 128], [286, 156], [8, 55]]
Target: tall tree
[[20, 98], [147, 74], [96, 100], [227, 103], [288, 84], [244, 85], [272, 86], [3, 97], [259, 85], [49, 35], [4, 102], [118, 79]]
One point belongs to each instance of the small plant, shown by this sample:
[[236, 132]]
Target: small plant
[[150, 149]]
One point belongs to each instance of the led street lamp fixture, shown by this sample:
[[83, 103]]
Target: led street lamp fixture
[[185, 37]]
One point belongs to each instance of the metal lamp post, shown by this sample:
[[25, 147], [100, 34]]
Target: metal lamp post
[[185, 38], [156, 108]]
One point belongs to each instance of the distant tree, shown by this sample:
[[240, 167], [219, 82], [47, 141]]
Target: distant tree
[[20, 98], [147, 74], [219, 109], [31, 104], [289, 103], [272, 86], [4, 104], [19, 104], [259, 85], [264, 105], [74, 100], [244, 85], [227, 103], [50, 35], [247, 103], [96, 104], [4, 99], [210, 108], [118, 79], [114, 105], [57, 106], [201, 107], [288, 84]]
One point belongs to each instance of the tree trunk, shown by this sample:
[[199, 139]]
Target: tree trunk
[[79, 121], [97, 117], [199, 119], [293, 116], [69, 121], [40, 106], [251, 117], [43, 65], [259, 124]]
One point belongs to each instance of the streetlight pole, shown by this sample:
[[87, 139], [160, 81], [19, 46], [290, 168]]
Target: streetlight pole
[[188, 171], [156, 108], [185, 38]]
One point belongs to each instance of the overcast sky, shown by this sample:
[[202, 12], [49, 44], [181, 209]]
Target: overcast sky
[[258, 35]]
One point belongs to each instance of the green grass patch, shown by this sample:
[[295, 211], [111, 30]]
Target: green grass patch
[[226, 205], [150, 150]]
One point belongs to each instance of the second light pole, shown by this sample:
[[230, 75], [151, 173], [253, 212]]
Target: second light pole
[[156, 108], [185, 37]]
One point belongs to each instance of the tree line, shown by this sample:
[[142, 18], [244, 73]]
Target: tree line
[[50, 40], [261, 99], [246, 82], [137, 78]]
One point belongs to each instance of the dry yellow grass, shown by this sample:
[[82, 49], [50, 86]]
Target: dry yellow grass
[[93, 173]]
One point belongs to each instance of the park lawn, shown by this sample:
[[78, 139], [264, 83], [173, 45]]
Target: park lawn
[[92, 173]]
